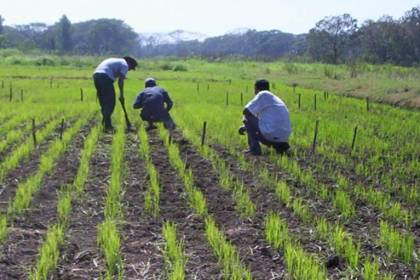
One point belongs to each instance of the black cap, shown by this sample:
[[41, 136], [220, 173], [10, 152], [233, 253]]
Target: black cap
[[132, 63], [150, 82]]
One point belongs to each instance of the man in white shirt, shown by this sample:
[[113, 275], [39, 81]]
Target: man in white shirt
[[266, 120], [104, 76]]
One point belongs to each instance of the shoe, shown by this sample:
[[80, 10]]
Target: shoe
[[109, 130], [250, 152], [151, 127]]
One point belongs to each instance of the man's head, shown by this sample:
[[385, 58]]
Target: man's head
[[132, 63], [261, 85], [149, 82]]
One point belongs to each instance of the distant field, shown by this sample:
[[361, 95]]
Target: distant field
[[80, 204]]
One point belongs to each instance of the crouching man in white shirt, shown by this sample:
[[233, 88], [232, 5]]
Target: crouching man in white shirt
[[266, 120]]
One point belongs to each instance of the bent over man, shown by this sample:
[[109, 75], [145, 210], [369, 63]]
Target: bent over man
[[104, 76], [266, 120], [156, 104]]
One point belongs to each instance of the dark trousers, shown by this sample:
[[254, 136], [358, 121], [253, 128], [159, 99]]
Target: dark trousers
[[106, 96], [255, 137], [166, 119]]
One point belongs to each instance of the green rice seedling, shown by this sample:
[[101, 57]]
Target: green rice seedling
[[322, 228], [64, 205], [199, 202], [371, 270], [88, 150], [283, 192], [276, 231], [226, 253], [25, 190], [109, 241], [301, 210], [152, 196], [302, 266], [49, 254], [243, 202], [174, 253], [400, 245], [3, 227], [342, 203], [345, 246]]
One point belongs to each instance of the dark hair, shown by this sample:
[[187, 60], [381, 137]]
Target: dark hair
[[149, 82], [262, 85], [132, 63]]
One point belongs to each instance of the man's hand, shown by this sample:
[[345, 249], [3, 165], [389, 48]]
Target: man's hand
[[242, 130]]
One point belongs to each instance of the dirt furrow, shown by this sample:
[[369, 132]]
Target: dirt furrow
[[26, 168], [81, 258], [141, 234], [27, 232], [363, 229], [246, 234], [201, 263]]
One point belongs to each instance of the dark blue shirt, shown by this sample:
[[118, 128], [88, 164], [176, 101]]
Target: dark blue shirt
[[153, 100]]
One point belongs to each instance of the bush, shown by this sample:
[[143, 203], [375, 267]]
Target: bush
[[180, 67], [290, 68]]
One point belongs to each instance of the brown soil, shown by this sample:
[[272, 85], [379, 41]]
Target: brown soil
[[364, 227], [201, 263], [27, 168], [81, 258], [246, 234], [141, 234], [20, 250]]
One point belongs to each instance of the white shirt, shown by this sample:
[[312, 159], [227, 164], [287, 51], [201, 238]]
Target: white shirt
[[273, 116], [113, 68]]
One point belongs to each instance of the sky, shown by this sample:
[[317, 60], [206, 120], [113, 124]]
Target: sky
[[209, 17]]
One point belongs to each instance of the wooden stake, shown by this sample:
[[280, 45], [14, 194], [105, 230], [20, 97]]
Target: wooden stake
[[242, 99], [2, 84], [21, 95], [198, 87], [353, 142], [227, 98], [367, 104], [170, 138], [299, 95], [315, 102], [208, 87], [61, 129], [81, 94], [34, 131], [315, 136], [294, 87], [203, 134], [11, 94]]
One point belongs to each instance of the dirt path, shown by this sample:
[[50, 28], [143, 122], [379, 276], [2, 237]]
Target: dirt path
[[141, 234], [246, 234], [26, 168], [174, 207], [27, 233], [81, 258], [363, 229]]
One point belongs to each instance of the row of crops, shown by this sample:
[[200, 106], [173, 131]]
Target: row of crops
[[77, 203]]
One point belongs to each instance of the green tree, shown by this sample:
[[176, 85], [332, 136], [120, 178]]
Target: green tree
[[2, 37], [330, 38], [64, 35]]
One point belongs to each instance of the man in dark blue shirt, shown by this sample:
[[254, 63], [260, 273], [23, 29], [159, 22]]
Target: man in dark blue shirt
[[155, 104]]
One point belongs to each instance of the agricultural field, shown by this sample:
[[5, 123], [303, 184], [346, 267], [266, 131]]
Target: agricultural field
[[76, 203]]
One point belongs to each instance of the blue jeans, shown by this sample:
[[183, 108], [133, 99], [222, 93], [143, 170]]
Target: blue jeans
[[255, 137]]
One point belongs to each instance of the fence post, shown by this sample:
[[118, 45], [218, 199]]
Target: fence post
[[299, 100], [242, 99], [367, 104], [34, 131], [11, 93], [353, 142], [315, 136], [315, 102], [227, 98], [21, 95], [81, 94], [203, 134]]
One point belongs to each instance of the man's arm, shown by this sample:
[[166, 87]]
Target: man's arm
[[167, 101], [121, 87], [139, 101]]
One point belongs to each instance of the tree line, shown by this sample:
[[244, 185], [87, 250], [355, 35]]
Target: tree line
[[334, 39]]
